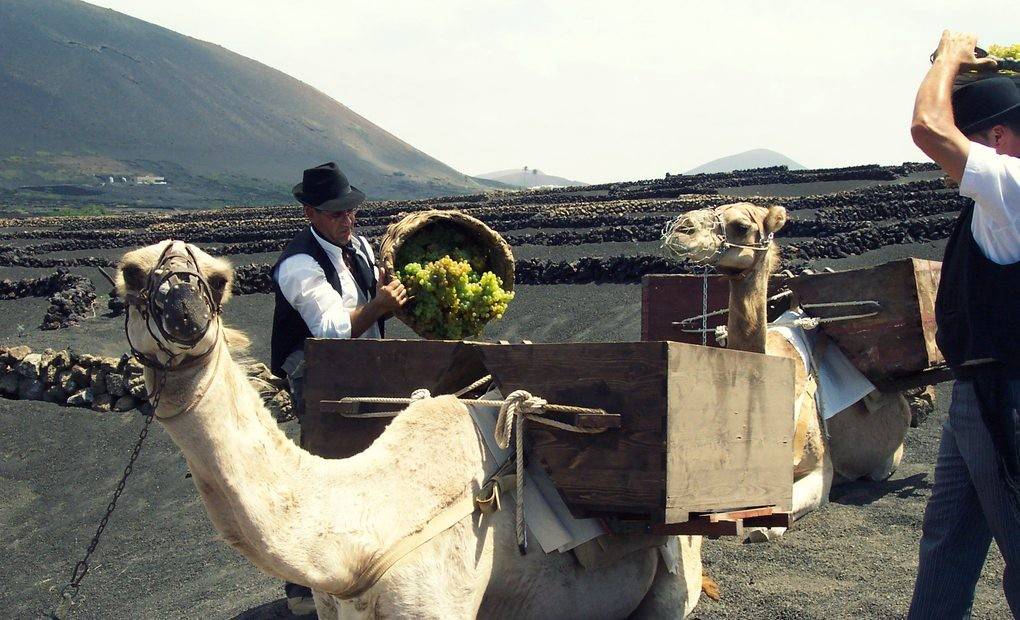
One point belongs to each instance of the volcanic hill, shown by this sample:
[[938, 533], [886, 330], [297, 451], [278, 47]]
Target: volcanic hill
[[755, 158], [87, 94]]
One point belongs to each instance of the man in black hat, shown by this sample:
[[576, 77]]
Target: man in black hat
[[327, 285], [974, 134]]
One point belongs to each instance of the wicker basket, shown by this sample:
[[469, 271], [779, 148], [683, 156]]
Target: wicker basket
[[499, 259]]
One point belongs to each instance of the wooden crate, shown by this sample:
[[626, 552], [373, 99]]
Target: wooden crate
[[899, 342], [701, 430], [365, 367], [667, 299]]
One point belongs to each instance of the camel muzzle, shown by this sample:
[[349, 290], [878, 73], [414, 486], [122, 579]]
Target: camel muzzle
[[179, 297], [179, 303]]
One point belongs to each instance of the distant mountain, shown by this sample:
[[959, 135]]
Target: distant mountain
[[87, 93], [757, 158], [527, 177]]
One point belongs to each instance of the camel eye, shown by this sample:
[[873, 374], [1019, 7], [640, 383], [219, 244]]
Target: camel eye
[[740, 228]]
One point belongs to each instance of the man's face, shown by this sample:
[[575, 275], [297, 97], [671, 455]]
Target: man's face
[[1004, 140], [335, 226]]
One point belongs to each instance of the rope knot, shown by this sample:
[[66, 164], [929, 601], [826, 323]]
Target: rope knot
[[515, 406], [420, 394]]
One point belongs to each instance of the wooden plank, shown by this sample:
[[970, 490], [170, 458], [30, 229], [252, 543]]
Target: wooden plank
[[776, 519], [730, 431], [669, 298], [337, 368], [617, 471], [897, 342], [927, 274]]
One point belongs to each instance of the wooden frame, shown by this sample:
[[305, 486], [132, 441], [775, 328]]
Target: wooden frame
[[696, 429]]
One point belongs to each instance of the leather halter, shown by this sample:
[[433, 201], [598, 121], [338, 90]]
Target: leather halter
[[172, 271], [761, 248]]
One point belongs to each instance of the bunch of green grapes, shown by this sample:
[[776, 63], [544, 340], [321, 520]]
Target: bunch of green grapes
[[453, 298], [1005, 51]]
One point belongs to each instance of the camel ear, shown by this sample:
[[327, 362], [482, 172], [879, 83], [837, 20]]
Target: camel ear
[[775, 219], [219, 286], [131, 278]]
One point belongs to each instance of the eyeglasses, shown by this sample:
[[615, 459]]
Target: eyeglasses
[[336, 215]]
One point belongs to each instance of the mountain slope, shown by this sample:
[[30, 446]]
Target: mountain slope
[[527, 177], [756, 158], [79, 80]]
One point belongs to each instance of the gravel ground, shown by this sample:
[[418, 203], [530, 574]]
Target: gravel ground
[[161, 558]]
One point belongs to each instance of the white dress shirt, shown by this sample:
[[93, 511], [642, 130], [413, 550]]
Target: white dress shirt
[[326, 312], [993, 181]]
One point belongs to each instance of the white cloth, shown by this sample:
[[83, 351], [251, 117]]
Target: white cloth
[[840, 384], [545, 512], [326, 312], [993, 181]]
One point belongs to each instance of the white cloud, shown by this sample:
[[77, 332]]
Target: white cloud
[[605, 90]]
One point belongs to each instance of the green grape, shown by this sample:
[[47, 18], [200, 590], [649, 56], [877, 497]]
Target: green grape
[[454, 297], [1005, 51]]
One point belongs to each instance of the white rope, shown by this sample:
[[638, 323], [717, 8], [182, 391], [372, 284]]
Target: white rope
[[512, 413]]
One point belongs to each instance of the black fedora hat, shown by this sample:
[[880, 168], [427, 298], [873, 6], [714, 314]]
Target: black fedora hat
[[326, 188], [985, 103]]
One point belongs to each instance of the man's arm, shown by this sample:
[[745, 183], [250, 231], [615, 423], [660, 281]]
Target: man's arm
[[304, 285], [387, 299], [933, 127]]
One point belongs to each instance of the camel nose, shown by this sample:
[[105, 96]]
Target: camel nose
[[186, 315]]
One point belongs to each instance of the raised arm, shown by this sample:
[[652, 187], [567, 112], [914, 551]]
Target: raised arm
[[933, 127]]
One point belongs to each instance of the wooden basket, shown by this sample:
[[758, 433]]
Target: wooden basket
[[499, 259]]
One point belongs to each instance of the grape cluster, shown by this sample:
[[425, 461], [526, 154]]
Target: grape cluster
[[453, 297], [1005, 51]]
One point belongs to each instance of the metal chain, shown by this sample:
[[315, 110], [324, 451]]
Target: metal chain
[[70, 591], [704, 307]]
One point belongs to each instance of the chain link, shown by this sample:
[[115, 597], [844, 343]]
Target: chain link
[[69, 592], [704, 307]]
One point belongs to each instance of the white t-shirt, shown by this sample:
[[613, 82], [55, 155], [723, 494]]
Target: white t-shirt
[[326, 312], [993, 181]]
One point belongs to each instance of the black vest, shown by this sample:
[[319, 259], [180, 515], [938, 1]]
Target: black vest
[[289, 329], [977, 308]]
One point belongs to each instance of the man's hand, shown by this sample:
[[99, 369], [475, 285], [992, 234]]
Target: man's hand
[[933, 127], [957, 50], [390, 296]]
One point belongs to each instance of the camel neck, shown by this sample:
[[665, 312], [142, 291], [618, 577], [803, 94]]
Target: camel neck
[[273, 502], [748, 319]]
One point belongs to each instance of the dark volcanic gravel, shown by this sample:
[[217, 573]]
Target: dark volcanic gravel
[[162, 559]]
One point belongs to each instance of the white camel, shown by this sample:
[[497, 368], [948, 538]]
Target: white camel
[[865, 441], [325, 523]]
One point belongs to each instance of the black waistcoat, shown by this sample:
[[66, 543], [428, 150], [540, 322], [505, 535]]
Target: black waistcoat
[[977, 308], [289, 329]]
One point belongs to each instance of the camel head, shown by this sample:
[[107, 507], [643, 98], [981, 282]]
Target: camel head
[[174, 292], [730, 237]]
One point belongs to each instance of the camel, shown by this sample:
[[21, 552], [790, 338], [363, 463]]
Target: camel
[[325, 522], [864, 440]]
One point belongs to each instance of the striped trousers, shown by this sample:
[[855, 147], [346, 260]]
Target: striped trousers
[[969, 507]]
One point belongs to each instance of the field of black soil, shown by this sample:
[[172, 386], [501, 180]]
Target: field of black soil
[[581, 254]]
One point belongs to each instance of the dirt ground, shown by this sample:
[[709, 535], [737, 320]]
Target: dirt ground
[[161, 558]]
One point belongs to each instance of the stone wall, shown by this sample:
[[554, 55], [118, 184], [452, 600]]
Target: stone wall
[[103, 384]]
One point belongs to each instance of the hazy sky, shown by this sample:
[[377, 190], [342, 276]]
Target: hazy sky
[[599, 91]]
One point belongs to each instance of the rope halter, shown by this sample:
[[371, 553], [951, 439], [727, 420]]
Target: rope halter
[[705, 222]]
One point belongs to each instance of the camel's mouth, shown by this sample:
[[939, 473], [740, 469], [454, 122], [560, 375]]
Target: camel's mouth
[[178, 297]]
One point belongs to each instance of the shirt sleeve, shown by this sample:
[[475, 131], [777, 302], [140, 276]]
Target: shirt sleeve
[[304, 285], [993, 181]]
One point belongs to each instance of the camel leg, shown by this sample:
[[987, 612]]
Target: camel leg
[[889, 467], [325, 606], [809, 493], [674, 594]]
